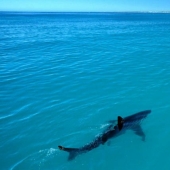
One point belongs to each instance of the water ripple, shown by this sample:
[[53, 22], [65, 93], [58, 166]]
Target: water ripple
[[63, 76]]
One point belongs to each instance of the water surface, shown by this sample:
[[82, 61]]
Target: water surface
[[64, 75]]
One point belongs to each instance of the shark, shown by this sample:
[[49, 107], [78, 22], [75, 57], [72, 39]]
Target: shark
[[115, 128]]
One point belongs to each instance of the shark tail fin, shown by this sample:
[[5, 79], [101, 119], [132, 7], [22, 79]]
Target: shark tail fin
[[73, 152], [120, 122], [72, 155]]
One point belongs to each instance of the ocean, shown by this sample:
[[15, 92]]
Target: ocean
[[63, 76]]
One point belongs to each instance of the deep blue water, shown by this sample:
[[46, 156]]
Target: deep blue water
[[64, 75]]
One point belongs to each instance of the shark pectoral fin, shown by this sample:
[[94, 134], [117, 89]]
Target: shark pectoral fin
[[138, 131], [120, 122]]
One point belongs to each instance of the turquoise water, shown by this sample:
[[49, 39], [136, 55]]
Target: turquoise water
[[64, 75]]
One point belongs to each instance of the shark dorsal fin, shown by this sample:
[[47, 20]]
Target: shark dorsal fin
[[120, 122]]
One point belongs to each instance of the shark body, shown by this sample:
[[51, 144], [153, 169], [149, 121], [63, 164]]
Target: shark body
[[132, 122]]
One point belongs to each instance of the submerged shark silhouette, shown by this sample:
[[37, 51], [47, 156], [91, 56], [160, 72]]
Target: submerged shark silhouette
[[131, 122]]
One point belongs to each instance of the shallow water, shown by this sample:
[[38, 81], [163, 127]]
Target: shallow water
[[64, 75]]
